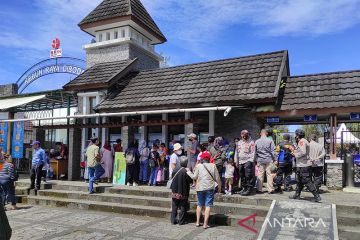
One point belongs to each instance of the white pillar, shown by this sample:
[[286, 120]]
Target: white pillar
[[211, 123], [84, 132], [164, 128], [125, 134], [189, 128], [104, 132]]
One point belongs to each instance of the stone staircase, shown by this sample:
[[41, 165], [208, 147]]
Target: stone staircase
[[145, 201], [348, 220]]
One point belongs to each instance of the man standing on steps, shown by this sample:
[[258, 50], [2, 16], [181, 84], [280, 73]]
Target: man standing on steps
[[244, 160], [37, 164], [93, 162], [303, 166], [317, 154]]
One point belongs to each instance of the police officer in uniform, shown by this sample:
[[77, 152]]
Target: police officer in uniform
[[303, 166], [285, 159], [244, 160], [317, 154]]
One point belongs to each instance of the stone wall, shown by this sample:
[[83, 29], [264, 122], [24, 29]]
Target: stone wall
[[237, 120], [335, 176], [8, 90], [119, 53]]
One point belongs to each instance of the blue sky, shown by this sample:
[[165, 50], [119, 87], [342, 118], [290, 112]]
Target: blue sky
[[321, 35]]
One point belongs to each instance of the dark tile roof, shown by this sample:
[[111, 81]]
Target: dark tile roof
[[99, 75], [325, 90], [236, 80], [109, 9]]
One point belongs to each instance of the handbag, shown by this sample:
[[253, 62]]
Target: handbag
[[159, 173], [169, 183], [216, 184]]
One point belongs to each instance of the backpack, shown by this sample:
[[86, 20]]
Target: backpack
[[130, 157], [285, 155], [154, 156]]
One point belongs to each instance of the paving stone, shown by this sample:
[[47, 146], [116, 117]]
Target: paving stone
[[78, 219], [37, 231], [83, 235], [162, 230], [118, 224]]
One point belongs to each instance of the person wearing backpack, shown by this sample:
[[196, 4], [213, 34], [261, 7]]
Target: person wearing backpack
[[132, 157], [154, 162], [93, 163], [284, 170], [144, 162]]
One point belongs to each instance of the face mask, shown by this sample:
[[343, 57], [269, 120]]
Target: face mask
[[178, 152]]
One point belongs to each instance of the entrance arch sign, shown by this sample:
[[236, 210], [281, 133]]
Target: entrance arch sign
[[67, 65]]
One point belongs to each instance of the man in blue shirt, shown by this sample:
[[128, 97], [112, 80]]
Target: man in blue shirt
[[38, 161]]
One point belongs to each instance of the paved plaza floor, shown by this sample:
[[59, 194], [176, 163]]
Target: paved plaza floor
[[35, 222]]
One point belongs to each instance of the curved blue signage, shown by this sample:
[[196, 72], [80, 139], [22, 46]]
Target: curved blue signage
[[66, 65]]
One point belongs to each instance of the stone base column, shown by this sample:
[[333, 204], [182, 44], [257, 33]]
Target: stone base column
[[335, 174], [74, 154]]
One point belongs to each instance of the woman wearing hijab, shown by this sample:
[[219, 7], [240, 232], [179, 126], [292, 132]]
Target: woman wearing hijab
[[144, 162], [107, 161]]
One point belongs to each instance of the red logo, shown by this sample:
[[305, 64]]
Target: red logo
[[250, 228], [55, 43]]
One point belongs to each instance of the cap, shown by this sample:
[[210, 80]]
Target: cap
[[35, 142], [205, 155], [177, 146], [191, 135]]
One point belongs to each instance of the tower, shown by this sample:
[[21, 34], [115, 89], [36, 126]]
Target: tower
[[122, 30]]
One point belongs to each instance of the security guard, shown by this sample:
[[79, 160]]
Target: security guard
[[317, 154], [244, 160], [285, 159], [303, 166]]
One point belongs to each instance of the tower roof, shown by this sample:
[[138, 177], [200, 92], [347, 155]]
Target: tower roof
[[110, 11]]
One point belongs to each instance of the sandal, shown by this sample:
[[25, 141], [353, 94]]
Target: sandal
[[206, 227], [198, 225]]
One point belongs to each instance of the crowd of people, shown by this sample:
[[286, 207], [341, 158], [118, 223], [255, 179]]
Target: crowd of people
[[238, 167]]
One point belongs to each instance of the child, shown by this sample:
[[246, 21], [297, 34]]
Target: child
[[154, 162], [229, 176]]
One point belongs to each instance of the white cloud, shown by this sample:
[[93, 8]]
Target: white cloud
[[199, 23]]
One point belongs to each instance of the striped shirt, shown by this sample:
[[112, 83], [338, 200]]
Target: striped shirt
[[6, 171]]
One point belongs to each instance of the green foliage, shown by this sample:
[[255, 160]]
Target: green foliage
[[317, 129]]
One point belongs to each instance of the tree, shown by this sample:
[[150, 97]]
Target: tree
[[317, 129]]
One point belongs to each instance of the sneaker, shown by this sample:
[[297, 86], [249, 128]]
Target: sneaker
[[226, 192], [128, 184], [135, 184]]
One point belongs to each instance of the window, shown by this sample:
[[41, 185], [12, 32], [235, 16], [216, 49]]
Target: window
[[116, 35], [100, 37], [107, 36], [123, 33]]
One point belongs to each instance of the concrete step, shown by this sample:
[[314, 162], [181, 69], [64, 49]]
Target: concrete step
[[348, 219], [151, 211], [349, 233], [219, 207], [352, 209], [21, 191], [166, 193]]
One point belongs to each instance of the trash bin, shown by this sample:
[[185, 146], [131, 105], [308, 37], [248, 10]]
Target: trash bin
[[356, 170]]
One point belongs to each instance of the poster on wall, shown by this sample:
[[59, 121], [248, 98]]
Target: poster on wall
[[119, 176], [4, 128], [18, 140]]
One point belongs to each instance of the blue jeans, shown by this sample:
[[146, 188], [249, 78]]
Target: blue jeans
[[144, 165], [153, 175], [205, 198], [94, 174]]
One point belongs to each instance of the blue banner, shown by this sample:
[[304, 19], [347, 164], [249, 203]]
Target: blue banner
[[4, 129], [18, 140], [272, 119]]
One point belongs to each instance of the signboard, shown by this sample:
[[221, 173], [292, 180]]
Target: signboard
[[55, 53], [310, 118], [4, 128], [119, 175], [18, 140], [355, 116], [272, 119]]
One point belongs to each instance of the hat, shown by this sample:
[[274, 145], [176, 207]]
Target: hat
[[177, 146], [191, 135], [35, 142], [205, 155]]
